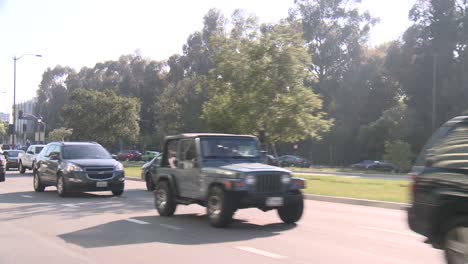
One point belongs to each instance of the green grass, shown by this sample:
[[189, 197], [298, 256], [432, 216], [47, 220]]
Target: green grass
[[381, 190], [133, 172], [336, 170]]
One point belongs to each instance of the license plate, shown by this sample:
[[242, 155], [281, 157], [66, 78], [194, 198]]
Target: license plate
[[274, 201], [101, 184]]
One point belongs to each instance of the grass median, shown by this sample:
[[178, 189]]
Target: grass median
[[381, 190]]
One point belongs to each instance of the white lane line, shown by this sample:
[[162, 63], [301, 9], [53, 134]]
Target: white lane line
[[261, 252], [171, 227], [391, 231], [137, 221], [71, 205], [26, 196]]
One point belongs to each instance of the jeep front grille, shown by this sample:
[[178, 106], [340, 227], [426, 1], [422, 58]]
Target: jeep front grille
[[100, 173], [268, 183]]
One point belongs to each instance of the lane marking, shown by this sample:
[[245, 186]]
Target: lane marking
[[26, 196], [71, 205], [390, 231], [137, 221], [261, 252], [171, 227]]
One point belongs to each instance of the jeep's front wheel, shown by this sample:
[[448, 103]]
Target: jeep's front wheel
[[220, 208], [292, 212], [164, 199]]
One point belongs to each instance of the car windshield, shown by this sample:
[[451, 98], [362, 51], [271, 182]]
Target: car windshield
[[13, 153], [229, 148], [85, 152], [38, 149]]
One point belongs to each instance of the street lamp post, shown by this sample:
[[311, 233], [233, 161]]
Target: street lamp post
[[14, 93]]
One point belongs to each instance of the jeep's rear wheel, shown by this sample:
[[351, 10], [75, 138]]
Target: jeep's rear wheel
[[164, 199], [292, 212], [456, 241], [220, 207], [149, 182]]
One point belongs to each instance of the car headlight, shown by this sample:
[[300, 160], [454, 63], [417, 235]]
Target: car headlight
[[73, 167], [119, 167], [286, 178], [250, 180]]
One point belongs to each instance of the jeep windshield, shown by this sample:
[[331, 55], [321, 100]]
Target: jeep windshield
[[85, 152], [229, 148]]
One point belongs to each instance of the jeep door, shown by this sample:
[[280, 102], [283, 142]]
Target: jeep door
[[188, 169]]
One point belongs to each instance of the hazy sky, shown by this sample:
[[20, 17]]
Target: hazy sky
[[83, 32]]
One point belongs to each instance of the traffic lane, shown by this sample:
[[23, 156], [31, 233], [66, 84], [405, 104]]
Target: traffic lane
[[329, 233], [393, 177]]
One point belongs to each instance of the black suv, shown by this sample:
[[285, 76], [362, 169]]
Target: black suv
[[224, 173], [439, 208], [78, 167]]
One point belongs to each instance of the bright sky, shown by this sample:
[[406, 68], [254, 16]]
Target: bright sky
[[82, 33]]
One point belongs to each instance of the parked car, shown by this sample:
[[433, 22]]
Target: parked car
[[374, 165], [27, 159], [12, 158], [272, 160], [293, 161], [2, 167], [148, 170], [439, 208], [149, 155], [78, 167], [224, 173], [129, 155]]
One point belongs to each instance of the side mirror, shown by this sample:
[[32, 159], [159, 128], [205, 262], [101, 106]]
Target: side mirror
[[54, 156]]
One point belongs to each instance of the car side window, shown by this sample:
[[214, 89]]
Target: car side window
[[188, 154], [47, 151], [452, 151], [29, 149], [170, 154]]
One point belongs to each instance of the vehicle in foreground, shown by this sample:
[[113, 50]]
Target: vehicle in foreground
[[439, 208], [149, 155], [12, 158], [27, 159], [78, 167], [2, 167], [129, 155], [374, 165], [224, 173], [148, 170], [293, 161]]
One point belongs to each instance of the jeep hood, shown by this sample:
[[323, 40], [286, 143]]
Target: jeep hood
[[243, 168]]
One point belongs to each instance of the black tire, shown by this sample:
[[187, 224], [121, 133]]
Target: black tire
[[292, 212], [164, 199], [37, 184], [149, 183], [118, 192], [22, 169], [455, 240], [62, 189], [219, 207]]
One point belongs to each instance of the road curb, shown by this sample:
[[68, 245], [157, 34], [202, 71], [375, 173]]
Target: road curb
[[343, 200], [363, 202]]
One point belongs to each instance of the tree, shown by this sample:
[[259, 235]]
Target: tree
[[399, 154], [257, 84], [102, 116], [59, 134]]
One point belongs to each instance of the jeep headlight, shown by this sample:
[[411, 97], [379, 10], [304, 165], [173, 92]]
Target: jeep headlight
[[118, 167], [73, 167], [286, 178], [250, 180]]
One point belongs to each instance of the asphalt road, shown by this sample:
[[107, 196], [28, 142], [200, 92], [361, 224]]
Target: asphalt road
[[99, 228]]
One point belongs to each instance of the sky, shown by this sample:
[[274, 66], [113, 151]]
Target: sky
[[84, 32]]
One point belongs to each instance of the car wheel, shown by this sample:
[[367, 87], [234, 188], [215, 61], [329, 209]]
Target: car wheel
[[61, 186], [149, 183], [117, 192], [164, 199], [292, 212], [21, 168], [220, 208], [456, 241], [38, 186]]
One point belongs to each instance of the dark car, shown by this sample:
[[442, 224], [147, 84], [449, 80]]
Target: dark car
[[78, 167], [224, 173], [439, 208], [374, 165], [2, 167], [12, 158], [293, 161], [129, 155], [272, 160], [148, 170]]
